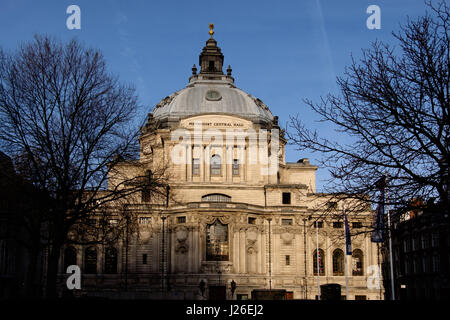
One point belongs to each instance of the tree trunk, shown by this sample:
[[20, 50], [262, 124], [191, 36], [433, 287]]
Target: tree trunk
[[52, 270]]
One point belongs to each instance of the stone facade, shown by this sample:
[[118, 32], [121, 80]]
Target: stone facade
[[231, 214]]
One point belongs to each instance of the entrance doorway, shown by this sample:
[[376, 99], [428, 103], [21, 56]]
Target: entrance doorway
[[217, 292]]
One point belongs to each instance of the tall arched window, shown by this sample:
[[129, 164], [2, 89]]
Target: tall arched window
[[321, 262], [216, 165], [338, 262], [90, 260], [357, 263], [110, 260], [70, 257]]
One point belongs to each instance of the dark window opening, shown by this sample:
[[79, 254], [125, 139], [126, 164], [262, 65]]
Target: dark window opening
[[288, 260], [211, 66], [286, 198], [356, 225], [337, 225], [144, 258], [181, 219], [338, 262], [251, 220], [318, 224], [90, 260], [216, 165], [216, 197]]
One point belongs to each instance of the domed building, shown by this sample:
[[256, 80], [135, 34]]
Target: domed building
[[237, 220]]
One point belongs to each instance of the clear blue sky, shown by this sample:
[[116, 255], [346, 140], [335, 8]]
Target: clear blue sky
[[280, 51]]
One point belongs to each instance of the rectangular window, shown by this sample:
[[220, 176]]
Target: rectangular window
[[288, 260], [360, 297], [251, 220], [286, 198], [356, 225], [286, 222], [145, 220], [235, 167], [337, 225], [319, 224], [181, 219], [195, 167], [144, 258]]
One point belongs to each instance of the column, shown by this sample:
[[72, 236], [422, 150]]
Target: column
[[202, 162], [229, 163], [207, 163]]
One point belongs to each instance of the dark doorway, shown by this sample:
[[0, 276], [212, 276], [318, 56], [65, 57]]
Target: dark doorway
[[217, 292]]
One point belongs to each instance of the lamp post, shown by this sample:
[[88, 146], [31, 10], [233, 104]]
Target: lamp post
[[163, 218], [233, 288]]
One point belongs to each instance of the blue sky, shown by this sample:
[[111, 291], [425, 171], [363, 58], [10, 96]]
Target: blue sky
[[280, 51]]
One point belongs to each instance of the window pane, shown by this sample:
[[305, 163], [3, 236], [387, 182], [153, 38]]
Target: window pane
[[216, 163], [235, 167]]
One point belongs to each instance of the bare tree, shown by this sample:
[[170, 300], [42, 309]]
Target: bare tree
[[67, 123], [393, 105]]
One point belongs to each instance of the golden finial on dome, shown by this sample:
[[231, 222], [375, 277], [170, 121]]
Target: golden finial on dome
[[211, 27]]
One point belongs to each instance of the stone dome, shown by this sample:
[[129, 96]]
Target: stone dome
[[211, 92], [212, 97]]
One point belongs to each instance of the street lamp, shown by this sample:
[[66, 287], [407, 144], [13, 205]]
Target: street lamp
[[233, 288]]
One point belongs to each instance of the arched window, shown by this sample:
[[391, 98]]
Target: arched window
[[321, 262], [216, 165], [216, 197], [90, 260], [110, 260], [70, 257], [357, 263], [338, 262]]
